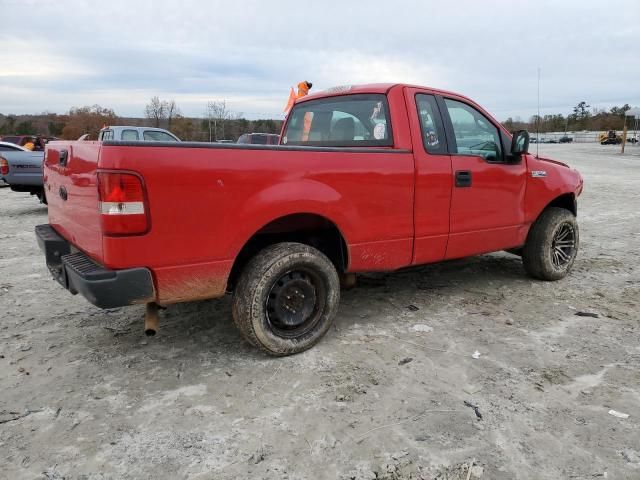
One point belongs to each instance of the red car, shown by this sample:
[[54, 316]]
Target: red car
[[367, 178]]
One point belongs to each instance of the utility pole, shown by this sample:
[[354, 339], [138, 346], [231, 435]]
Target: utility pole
[[624, 134]]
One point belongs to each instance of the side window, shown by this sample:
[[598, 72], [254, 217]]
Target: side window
[[130, 135], [106, 135], [431, 124], [343, 121], [474, 133]]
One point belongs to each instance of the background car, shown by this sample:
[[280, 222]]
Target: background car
[[9, 147], [22, 170], [259, 139], [38, 141]]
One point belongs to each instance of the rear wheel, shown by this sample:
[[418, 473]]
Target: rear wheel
[[552, 245], [42, 196], [286, 298]]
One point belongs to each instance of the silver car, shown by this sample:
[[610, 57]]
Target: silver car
[[21, 169]]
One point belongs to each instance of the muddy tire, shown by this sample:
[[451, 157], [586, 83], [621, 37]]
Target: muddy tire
[[286, 298], [552, 245], [42, 196]]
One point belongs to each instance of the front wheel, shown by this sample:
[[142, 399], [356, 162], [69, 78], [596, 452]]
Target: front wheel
[[286, 298], [552, 245]]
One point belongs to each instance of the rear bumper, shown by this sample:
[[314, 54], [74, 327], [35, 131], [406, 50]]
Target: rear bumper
[[78, 273]]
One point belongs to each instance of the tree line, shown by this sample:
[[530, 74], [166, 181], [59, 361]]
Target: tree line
[[219, 122], [583, 118]]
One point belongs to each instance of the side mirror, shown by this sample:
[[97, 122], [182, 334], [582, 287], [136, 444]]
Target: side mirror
[[520, 143]]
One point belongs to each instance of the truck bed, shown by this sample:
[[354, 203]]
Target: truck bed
[[206, 200]]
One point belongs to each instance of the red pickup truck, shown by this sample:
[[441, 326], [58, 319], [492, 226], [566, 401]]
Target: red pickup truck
[[366, 178]]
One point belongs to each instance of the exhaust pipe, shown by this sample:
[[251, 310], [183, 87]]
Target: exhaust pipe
[[151, 322], [348, 280]]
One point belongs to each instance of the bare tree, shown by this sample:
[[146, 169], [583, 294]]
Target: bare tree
[[217, 114], [159, 110], [156, 110], [172, 111]]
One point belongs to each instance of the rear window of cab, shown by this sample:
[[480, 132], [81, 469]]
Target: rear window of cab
[[342, 121]]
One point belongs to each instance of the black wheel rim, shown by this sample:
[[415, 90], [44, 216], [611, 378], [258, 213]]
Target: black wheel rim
[[563, 245], [295, 303]]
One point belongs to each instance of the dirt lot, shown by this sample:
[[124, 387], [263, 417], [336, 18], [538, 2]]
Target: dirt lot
[[83, 394]]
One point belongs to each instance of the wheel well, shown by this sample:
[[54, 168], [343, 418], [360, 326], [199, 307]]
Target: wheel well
[[566, 201], [310, 229]]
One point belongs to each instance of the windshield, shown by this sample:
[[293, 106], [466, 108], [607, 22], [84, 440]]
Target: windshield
[[259, 139], [157, 136]]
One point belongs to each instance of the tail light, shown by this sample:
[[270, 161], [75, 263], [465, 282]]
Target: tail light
[[123, 204], [4, 166]]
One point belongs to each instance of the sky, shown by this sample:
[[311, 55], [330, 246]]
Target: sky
[[118, 54]]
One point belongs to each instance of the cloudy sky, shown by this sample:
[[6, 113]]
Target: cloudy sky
[[55, 55]]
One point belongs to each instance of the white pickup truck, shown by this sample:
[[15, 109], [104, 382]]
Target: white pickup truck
[[136, 134]]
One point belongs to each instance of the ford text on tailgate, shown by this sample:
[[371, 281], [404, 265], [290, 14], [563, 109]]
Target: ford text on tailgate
[[366, 178]]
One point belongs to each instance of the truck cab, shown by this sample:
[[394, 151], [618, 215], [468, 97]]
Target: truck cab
[[470, 192]]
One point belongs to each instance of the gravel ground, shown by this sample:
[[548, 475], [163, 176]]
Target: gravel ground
[[85, 395]]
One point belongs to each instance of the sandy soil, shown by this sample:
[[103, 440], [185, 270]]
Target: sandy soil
[[83, 394]]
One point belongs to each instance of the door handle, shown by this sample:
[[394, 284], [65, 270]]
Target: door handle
[[64, 156], [463, 178]]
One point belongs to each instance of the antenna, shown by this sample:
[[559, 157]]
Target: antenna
[[538, 118]]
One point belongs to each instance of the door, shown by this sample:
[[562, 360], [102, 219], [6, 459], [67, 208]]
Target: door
[[487, 200], [433, 179], [366, 178]]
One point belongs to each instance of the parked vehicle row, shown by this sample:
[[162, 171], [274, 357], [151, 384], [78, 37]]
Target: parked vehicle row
[[563, 139], [366, 178], [29, 142], [22, 169]]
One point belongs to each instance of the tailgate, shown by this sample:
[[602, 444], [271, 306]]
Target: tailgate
[[25, 168], [72, 193]]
